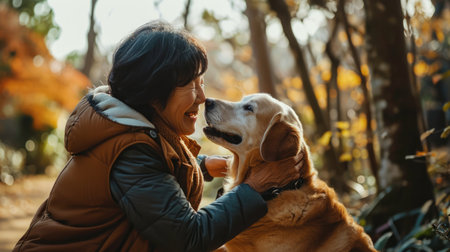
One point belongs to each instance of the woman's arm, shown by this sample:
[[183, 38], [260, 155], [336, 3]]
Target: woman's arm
[[157, 207]]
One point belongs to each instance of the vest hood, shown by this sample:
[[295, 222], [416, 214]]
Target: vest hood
[[99, 116]]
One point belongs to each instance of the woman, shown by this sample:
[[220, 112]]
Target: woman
[[132, 182]]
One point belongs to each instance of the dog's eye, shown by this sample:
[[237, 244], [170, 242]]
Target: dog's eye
[[248, 107]]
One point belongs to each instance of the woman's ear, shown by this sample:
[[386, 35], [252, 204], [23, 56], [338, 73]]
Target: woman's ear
[[281, 140]]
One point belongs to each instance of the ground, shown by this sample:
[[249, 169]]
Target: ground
[[18, 203]]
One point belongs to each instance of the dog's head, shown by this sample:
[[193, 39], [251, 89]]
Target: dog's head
[[257, 122]]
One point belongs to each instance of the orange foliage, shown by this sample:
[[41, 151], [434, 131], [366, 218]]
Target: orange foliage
[[321, 94], [421, 68], [347, 79], [39, 85], [235, 89], [365, 70]]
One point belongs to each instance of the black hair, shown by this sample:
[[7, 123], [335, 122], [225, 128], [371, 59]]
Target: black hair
[[150, 63]]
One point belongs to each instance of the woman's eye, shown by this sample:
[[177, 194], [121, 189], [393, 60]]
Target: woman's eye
[[248, 107]]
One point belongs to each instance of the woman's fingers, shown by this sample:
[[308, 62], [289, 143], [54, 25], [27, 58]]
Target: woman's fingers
[[216, 165]]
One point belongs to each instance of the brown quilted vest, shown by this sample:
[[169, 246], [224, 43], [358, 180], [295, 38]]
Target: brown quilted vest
[[80, 213]]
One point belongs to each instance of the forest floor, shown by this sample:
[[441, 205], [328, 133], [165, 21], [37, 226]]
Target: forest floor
[[18, 204]]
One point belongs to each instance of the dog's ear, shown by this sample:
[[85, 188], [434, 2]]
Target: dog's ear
[[281, 140]]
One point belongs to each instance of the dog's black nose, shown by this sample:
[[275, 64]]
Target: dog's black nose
[[209, 104]]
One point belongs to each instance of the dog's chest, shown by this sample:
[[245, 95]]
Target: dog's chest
[[278, 230]]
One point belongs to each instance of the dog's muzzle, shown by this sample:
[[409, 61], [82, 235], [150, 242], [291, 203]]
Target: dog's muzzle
[[211, 131], [229, 137], [209, 104]]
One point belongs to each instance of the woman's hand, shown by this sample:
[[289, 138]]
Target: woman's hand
[[275, 174], [217, 166]]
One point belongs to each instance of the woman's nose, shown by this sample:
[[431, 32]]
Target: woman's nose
[[201, 95]]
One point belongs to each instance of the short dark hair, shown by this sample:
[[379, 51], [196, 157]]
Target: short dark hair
[[151, 62]]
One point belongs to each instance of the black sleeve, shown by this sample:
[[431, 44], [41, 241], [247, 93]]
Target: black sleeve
[[157, 207]]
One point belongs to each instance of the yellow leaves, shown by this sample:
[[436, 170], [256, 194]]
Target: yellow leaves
[[421, 68], [426, 134], [321, 94], [235, 89], [365, 70], [294, 94], [232, 89], [410, 58], [293, 87], [324, 140], [326, 75], [344, 128], [446, 106], [345, 157], [342, 125], [342, 36], [296, 82], [357, 96], [446, 132], [440, 35], [347, 79], [357, 39]]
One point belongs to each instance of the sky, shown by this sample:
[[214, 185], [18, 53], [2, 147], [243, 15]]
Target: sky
[[118, 18]]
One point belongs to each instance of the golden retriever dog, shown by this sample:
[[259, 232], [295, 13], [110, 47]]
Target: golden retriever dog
[[309, 217]]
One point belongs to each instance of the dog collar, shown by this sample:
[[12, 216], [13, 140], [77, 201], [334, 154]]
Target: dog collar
[[273, 192]]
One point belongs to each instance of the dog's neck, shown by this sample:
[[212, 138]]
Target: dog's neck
[[242, 164]]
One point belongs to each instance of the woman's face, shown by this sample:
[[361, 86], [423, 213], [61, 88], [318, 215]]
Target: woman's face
[[183, 106]]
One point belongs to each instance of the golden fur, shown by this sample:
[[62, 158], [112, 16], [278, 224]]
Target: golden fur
[[307, 219]]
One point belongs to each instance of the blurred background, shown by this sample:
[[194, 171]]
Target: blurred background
[[369, 79]]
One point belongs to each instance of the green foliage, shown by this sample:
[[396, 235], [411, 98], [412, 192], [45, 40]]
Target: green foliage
[[36, 15], [429, 225], [382, 241], [76, 59]]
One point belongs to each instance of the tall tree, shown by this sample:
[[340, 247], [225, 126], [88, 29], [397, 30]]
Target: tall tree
[[395, 111], [367, 104], [260, 51], [332, 86], [323, 125], [89, 58]]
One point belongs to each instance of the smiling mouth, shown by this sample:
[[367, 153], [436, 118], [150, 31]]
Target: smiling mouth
[[191, 114], [229, 137]]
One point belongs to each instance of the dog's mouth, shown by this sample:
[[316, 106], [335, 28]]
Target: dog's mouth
[[229, 137]]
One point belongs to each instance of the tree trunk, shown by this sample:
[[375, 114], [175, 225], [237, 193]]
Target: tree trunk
[[395, 110], [260, 50], [330, 157], [282, 11], [186, 14], [367, 105], [91, 37], [341, 170]]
